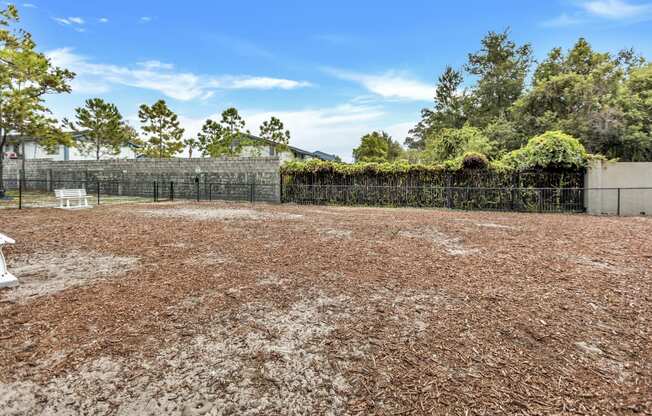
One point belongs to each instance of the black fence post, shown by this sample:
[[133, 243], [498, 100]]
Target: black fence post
[[98, 192], [155, 191], [20, 191], [280, 188], [618, 206], [251, 192], [197, 187], [540, 204], [171, 190]]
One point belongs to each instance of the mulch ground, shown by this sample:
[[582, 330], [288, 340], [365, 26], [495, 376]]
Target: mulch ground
[[448, 312]]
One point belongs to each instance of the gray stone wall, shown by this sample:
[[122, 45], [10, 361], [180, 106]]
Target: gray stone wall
[[239, 172]]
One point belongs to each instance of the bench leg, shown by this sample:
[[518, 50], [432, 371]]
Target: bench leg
[[67, 203]]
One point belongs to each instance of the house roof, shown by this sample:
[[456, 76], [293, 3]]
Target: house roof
[[292, 148], [325, 156]]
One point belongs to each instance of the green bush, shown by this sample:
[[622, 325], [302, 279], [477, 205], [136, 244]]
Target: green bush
[[553, 150], [450, 144], [474, 160]]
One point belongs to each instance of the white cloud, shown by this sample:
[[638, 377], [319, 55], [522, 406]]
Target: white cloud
[[335, 129], [259, 83], [62, 20], [154, 64], [69, 20], [29, 5], [562, 21], [145, 19], [400, 131], [103, 20], [616, 9], [391, 84], [589, 10], [157, 76]]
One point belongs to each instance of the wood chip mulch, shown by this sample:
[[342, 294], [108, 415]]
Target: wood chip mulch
[[532, 314]]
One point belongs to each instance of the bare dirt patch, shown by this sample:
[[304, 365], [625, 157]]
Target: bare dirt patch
[[598, 264], [336, 233], [45, 273], [452, 245], [217, 214], [492, 225], [279, 366]]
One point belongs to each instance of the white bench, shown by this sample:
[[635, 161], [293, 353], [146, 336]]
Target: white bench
[[66, 195], [6, 278]]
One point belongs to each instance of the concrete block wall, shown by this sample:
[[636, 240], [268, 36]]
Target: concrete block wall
[[263, 171]]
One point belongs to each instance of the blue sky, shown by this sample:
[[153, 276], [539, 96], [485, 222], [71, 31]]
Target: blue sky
[[331, 70]]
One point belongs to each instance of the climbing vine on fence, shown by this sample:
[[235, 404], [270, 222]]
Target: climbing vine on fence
[[400, 184]]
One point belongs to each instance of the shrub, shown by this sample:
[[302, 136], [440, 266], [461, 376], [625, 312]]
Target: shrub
[[553, 150], [474, 160], [449, 144]]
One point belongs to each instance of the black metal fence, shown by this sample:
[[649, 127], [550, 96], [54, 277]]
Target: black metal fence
[[467, 198], [33, 193], [39, 193], [616, 201]]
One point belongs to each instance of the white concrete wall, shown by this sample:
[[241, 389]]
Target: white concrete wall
[[126, 152], [34, 151], [603, 180], [268, 150]]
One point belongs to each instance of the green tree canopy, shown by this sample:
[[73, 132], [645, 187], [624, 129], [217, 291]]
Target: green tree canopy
[[210, 140], [448, 144], [377, 147], [501, 67], [597, 97], [273, 130], [225, 138], [636, 105], [104, 130], [449, 110], [577, 93], [163, 131], [26, 76]]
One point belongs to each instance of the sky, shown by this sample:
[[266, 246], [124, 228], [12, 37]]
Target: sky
[[330, 70]]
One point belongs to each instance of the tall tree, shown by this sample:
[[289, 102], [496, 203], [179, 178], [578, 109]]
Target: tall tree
[[104, 130], [164, 134], [211, 140], [377, 147], [636, 103], [225, 138], [449, 109], [26, 76], [501, 67], [576, 92], [273, 130], [232, 121]]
